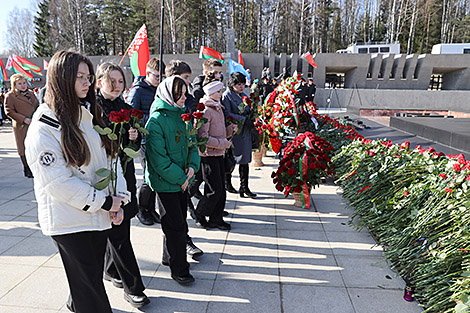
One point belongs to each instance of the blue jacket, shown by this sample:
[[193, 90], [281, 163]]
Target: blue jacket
[[141, 96]]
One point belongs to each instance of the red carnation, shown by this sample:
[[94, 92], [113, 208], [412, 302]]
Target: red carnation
[[448, 190], [312, 166], [247, 100], [198, 115], [231, 119], [457, 167], [289, 163], [279, 187], [291, 172], [444, 176], [126, 115], [406, 193], [116, 117], [137, 114], [467, 178], [297, 189], [201, 106], [186, 117]]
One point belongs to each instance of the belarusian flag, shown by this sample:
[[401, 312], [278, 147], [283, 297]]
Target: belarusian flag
[[45, 64], [12, 65], [240, 58], [308, 57], [207, 53], [139, 52], [27, 65], [3, 72]]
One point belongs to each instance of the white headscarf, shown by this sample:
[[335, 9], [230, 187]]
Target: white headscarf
[[164, 91]]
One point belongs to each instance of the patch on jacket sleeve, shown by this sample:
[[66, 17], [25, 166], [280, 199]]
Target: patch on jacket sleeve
[[49, 121], [47, 158]]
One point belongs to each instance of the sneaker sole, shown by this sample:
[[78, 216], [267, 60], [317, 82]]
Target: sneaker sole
[[136, 304]]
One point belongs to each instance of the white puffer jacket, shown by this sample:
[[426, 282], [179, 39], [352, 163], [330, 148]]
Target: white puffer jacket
[[67, 201]]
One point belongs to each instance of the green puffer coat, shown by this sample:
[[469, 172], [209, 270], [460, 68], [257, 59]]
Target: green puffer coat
[[165, 156]]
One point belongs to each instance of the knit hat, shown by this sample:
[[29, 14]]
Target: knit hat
[[213, 87]]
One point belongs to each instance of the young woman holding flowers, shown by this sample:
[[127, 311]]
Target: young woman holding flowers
[[212, 203], [231, 100], [64, 152], [172, 160], [120, 263]]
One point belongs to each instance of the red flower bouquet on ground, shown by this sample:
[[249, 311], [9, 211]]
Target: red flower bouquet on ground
[[306, 160]]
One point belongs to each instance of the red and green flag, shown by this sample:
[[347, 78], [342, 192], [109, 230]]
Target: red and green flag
[[12, 65], [207, 53], [309, 58], [139, 52], [27, 65], [3, 72]]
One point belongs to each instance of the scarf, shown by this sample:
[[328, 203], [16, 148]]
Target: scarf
[[164, 91]]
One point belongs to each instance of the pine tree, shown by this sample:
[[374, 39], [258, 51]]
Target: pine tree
[[42, 45]]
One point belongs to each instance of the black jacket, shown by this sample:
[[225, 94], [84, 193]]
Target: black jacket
[[130, 209], [198, 92], [141, 96]]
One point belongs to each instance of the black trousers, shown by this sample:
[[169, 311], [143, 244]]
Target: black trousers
[[197, 181], [83, 258], [213, 202], [175, 228], [120, 261], [145, 195]]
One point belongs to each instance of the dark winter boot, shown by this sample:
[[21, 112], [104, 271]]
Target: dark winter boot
[[27, 170], [244, 190], [228, 184]]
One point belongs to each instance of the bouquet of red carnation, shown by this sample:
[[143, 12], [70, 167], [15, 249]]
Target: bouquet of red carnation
[[199, 120], [306, 160], [117, 118]]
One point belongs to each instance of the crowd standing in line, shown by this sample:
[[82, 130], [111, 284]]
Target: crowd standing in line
[[91, 227]]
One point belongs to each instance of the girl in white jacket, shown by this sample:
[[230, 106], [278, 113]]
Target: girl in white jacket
[[64, 153]]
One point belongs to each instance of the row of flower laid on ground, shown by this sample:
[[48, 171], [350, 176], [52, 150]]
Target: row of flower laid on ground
[[416, 204]]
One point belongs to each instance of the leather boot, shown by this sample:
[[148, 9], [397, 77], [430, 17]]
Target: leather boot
[[244, 190], [228, 184], [27, 170]]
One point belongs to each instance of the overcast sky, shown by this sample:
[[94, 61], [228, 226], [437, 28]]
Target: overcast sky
[[6, 6]]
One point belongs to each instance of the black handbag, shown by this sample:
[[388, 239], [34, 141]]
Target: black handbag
[[229, 161]]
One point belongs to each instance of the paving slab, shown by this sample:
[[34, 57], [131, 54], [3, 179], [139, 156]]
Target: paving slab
[[276, 257]]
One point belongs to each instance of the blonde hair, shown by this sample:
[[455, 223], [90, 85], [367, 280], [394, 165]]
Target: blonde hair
[[105, 69], [15, 78]]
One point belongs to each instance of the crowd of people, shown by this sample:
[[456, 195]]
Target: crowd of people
[[59, 147]]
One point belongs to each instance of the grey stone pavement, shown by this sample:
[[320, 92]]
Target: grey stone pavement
[[276, 258]]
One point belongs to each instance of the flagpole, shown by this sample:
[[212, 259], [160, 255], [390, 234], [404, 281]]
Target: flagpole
[[161, 38], [123, 56]]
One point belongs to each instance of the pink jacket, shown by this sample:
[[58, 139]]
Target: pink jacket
[[215, 129]]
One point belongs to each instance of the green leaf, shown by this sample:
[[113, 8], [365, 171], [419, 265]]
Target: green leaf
[[123, 130], [103, 172], [202, 140], [465, 274], [202, 148], [131, 153], [99, 130], [465, 299], [461, 308], [102, 184], [112, 136]]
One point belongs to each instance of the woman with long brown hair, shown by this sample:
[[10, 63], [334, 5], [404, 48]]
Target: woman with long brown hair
[[20, 104], [64, 153]]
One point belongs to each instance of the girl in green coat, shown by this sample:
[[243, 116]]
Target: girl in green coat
[[171, 164]]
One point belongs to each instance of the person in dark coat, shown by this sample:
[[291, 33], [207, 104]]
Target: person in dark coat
[[121, 266], [210, 66], [141, 97], [242, 144]]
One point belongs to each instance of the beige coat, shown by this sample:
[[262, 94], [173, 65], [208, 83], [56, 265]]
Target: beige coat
[[18, 107]]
